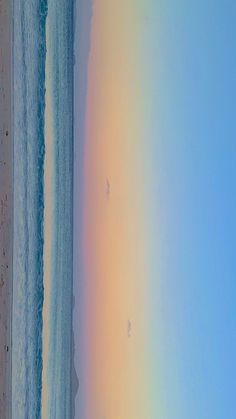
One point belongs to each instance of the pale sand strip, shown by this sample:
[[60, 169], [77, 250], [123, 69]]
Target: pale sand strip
[[6, 205]]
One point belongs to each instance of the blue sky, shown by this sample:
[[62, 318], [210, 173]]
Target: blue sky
[[193, 223]]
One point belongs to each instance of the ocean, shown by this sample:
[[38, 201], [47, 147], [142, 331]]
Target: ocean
[[32, 49]]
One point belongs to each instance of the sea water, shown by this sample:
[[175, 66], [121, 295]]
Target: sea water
[[29, 56], [57, 381]]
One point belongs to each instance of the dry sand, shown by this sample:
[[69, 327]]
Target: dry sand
[[6, 208]]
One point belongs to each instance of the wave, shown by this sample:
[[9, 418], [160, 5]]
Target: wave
[[30, 48], [29, 51]]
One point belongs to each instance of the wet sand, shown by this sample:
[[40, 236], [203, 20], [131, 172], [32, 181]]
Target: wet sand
[[6, 210]]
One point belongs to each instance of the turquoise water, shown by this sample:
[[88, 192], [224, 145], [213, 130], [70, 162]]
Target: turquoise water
[[29, 52]]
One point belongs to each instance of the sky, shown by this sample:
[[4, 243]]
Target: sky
[[155, 170]]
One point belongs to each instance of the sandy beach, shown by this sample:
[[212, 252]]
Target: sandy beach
[[6, 210]]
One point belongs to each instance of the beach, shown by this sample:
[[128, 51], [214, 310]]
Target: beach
[[6, 210]]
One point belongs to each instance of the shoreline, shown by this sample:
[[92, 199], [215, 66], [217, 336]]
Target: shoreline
[[6, 204]]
